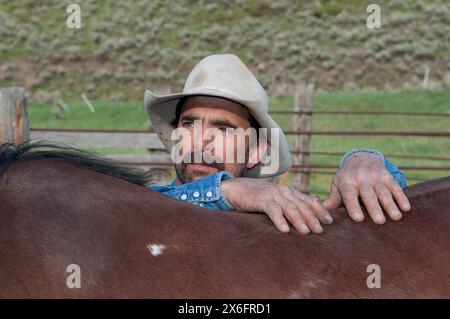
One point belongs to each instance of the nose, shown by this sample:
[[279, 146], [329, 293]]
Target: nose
[[200, 139]]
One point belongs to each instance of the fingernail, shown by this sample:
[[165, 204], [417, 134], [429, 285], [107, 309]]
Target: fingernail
[[319, 228], [285, 228], [304, 229], [328, 219], [360, 217], [380, 218], [396, 214]]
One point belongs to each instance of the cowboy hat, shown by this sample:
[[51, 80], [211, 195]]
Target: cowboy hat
[[225, 76]]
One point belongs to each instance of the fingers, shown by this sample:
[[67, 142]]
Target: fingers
[[285, 204], [292, 213], [370, 199], [275, 213], [309, 217], [302, 211], [350, 198], [375, 186], [334, 199], [311, 210], [387, 201], [289, 210], [319, 209], [399, 195]]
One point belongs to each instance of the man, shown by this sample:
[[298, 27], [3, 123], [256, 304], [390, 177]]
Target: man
[[223, 96]]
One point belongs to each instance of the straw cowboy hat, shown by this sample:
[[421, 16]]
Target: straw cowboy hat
[[225, 76]]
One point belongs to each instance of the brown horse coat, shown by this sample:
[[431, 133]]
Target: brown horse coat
[[54, 214]]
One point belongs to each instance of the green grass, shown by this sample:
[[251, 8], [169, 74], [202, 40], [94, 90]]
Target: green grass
[[108, 115], [289, 40], [131, 116]]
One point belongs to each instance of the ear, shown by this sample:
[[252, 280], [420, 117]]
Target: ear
[[256, 153]]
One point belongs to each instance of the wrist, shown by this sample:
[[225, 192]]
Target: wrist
[[232, 191], [361, 157], [225, 190], [361, 152]]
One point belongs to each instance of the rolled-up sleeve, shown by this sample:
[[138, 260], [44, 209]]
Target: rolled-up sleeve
[[398, 175], [204, 192]]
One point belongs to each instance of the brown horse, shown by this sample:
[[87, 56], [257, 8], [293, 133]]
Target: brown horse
[[59, 207]]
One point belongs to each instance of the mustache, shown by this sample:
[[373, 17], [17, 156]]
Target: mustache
[[190, 158]]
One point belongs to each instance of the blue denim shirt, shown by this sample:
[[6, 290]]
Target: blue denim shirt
[[205, 191]]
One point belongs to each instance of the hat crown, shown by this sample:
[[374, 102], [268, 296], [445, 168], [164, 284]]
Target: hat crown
[[226, 72]]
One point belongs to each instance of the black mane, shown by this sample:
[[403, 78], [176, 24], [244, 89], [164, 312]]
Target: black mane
[[11, 153]]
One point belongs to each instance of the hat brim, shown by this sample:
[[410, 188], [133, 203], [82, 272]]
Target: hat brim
[[161, 112]]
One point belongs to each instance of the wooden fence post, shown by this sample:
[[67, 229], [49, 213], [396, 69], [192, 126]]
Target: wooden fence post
[[162, 175], [302, 122], [14, 127]]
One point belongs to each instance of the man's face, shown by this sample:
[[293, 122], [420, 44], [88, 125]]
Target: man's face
[[215, 114]]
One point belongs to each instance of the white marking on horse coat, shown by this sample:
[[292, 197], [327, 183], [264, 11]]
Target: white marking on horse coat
[[156, 249]]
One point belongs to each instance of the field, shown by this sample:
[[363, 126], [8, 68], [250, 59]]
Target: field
[[130, 116], [124, 47]]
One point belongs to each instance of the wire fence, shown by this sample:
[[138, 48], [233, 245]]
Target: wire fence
[[300, 133]]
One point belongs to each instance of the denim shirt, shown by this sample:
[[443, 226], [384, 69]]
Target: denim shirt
[[205, 191]]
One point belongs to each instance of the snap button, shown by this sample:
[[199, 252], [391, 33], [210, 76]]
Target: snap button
[[201, 204], [183, 197], [196, 194], [208, 194]]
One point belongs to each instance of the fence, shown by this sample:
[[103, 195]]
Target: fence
[[14, 127]]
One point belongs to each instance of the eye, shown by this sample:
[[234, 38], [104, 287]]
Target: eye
[[187, 123]]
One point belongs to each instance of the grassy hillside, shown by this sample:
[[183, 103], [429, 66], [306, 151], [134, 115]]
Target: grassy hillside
[[125, 47]]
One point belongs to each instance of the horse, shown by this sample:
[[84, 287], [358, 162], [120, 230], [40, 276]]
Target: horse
[[63, 209]]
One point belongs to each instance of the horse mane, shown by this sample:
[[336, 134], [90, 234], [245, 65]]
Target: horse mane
[[40, 150]]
